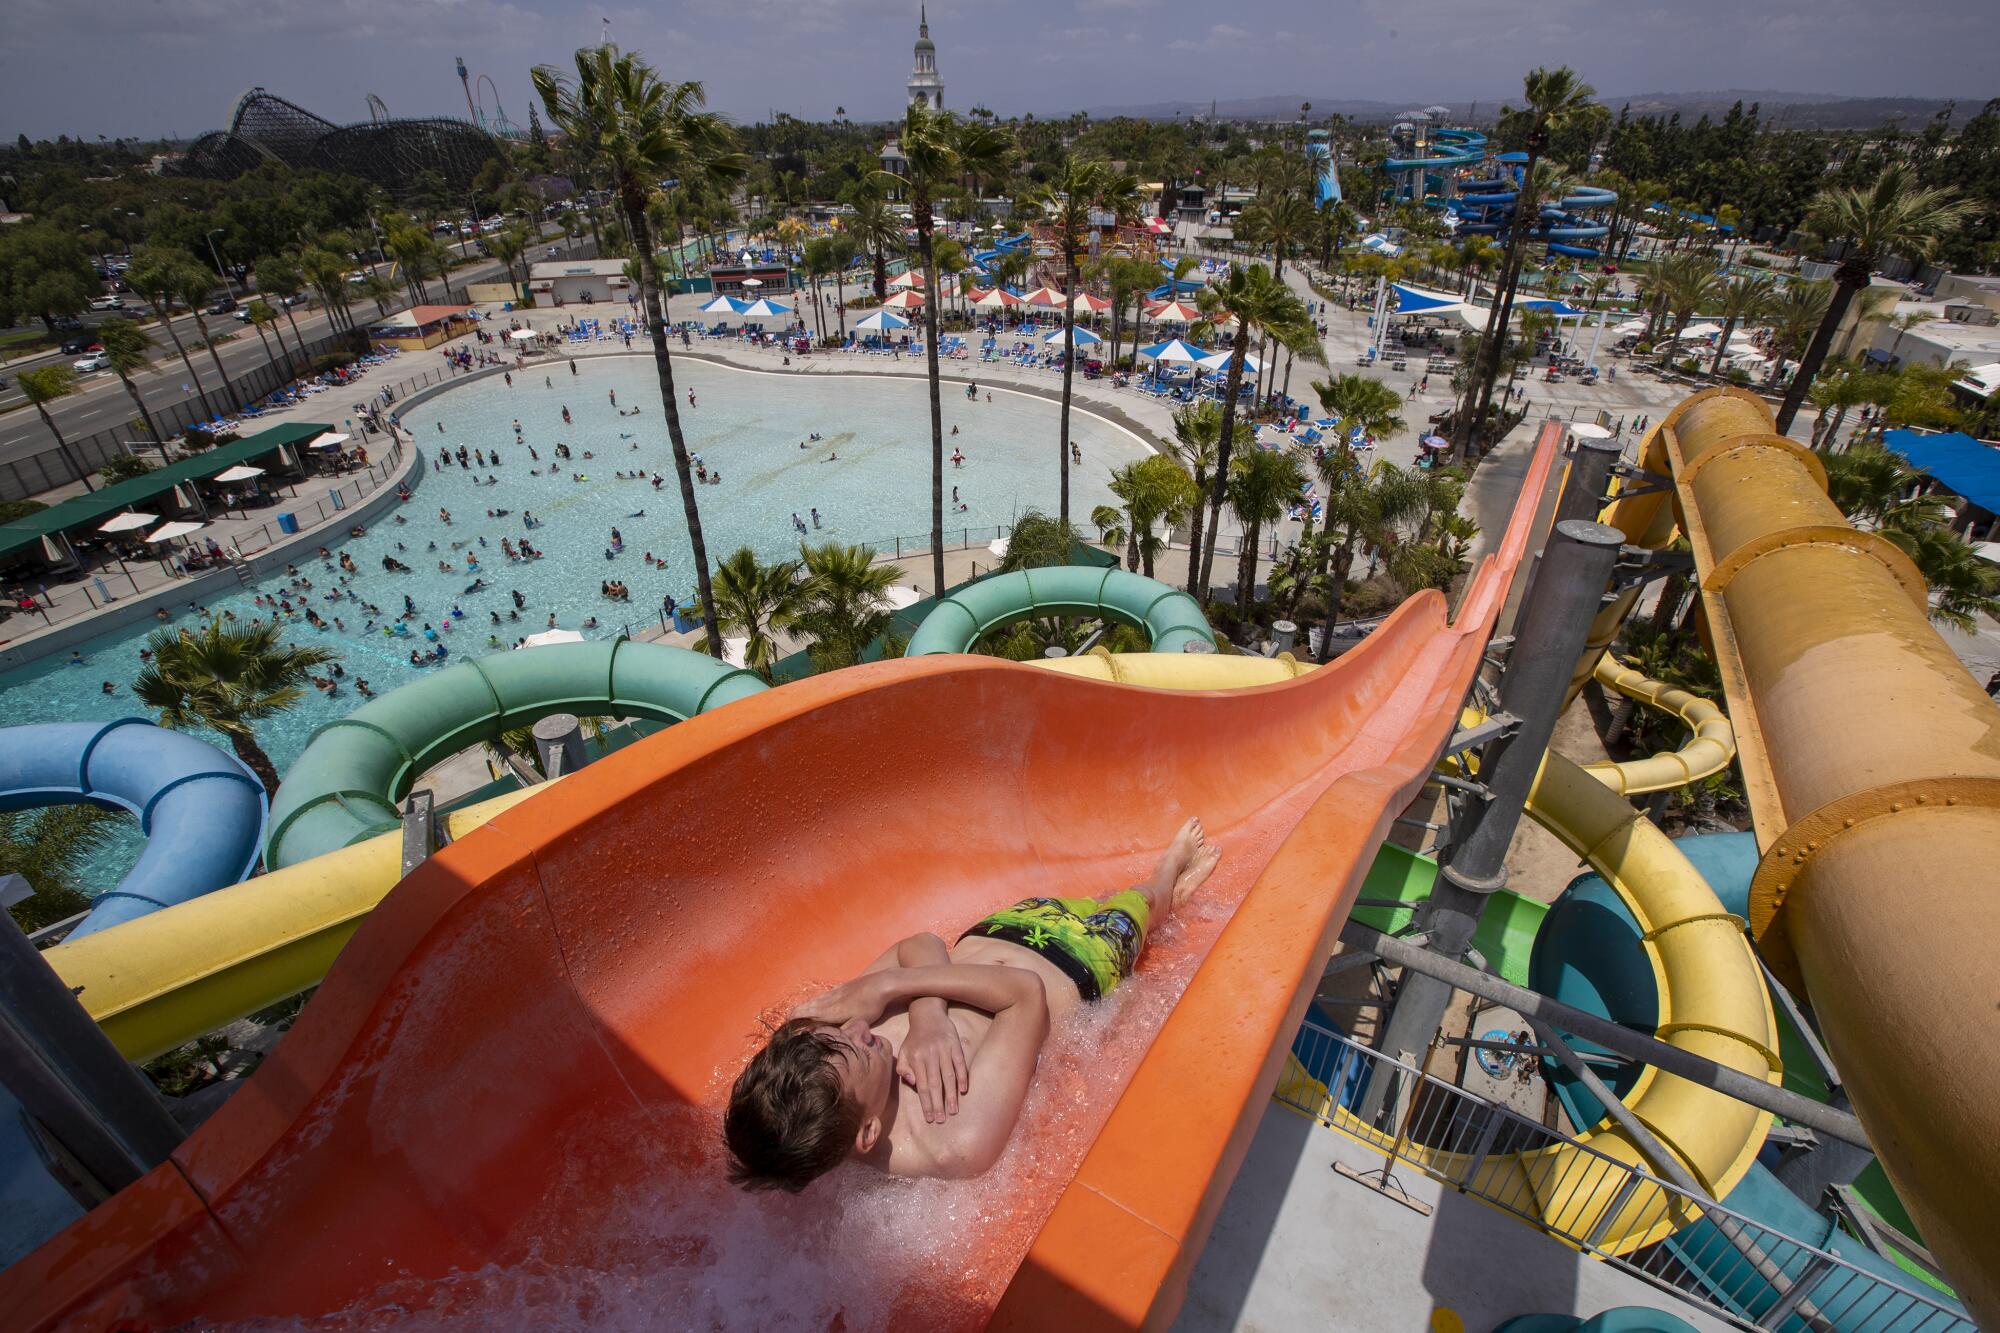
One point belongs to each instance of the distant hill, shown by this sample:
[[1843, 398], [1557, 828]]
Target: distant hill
[[1788, 110]]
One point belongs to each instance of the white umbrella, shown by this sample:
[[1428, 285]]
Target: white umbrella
[[900, 597], [1083, 337], [1220, 361], [1174, 352], [330, 440], [1173, 312], [734, 652], [999, 547], [753, 282], [765, 308], [882, 321], [239, 473], [724, 305], [997, 299], [907, 278], [166, 532], [127, 522], [524, 335], [549, 636]]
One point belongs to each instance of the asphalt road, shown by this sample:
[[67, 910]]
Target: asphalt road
[[101, 403]]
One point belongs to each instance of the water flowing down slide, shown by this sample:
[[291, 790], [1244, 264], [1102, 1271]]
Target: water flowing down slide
[[504, 1097]]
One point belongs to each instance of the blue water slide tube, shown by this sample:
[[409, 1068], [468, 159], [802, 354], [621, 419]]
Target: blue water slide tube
[[201, 809], [1452, 148], [1588, 954]]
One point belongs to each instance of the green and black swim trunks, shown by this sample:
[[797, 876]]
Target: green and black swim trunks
[[1094, 943]]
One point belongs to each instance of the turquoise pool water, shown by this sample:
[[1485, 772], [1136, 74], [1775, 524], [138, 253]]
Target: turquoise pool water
[[869, 477]]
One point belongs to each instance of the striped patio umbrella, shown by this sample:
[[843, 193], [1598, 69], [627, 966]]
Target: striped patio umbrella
[[999, 298], [909, 277], [1086, 304], [1173, 312], [1046, 296], [907, 299]]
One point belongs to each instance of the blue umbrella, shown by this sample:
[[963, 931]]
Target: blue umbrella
[[882, 321]]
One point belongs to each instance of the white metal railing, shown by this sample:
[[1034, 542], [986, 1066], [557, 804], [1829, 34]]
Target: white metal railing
[[1729, 1264]]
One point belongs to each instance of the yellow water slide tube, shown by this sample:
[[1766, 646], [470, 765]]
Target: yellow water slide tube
[[1872, 762]]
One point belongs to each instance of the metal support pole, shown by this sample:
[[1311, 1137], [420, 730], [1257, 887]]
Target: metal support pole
[[559, 744], [1603, 1032], [1589, 476], [1575, 569], [67, 1075]]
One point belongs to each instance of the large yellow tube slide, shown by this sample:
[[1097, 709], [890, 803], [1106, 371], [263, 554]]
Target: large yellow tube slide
[[1872, 761]]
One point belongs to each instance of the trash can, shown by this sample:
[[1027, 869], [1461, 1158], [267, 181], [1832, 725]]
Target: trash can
[[338, 501], [288, 524]]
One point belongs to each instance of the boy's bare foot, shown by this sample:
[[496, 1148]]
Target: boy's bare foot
[[1182, 849], [1196, 873]]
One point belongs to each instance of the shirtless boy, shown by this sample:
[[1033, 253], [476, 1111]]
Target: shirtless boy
[[920, 1065]]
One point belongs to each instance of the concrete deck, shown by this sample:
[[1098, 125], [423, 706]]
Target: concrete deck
[[1299, 1247]]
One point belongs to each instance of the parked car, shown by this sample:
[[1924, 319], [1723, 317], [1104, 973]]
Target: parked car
[[95, 361]]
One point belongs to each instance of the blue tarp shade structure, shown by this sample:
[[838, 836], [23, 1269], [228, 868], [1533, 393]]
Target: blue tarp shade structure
[[1958, 461], [1410, 301], [1561, 308]]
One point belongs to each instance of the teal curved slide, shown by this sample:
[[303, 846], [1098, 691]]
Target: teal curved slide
[[349, 782], [1588, 954], [1170, 617], [201, 809], [1621, 1319]]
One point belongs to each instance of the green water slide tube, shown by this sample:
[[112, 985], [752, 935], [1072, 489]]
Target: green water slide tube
[[1170, 617], [349, 783]]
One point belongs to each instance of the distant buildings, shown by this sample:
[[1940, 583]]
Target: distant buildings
[[394, 154], [926, 89]]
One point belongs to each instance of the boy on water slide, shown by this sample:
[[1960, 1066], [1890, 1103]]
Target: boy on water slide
[[920, 1065]]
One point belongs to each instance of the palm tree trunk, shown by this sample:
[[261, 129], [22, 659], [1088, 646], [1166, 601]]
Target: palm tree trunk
[[1246, 569], [1068, 380], [1336, 592], [920, 200], [663, 363], [1239, 349], [1195, 547], [1844, 288], [1722, 346], [297, 341], [840, 300], [132, 391], [167, 323], [265, 339], [1503, 299], [252, 754], [228, 390], [62, 445]]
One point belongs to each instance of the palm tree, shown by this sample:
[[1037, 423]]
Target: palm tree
[[1128, 281], [1745, 300], [279, 276], [227, 677], [191, 284], [1877, 488], [1688, 281], [412, 249], [875, 229], [1082, 188], [1795, 312], [1262, 483], [1359, 505], [1360, 402], [125, 347], [374, 287], [1257, 301], [816, 262], [261, 318], [758, 601], [1895, 215], [154, 276], [51, 848], [937, 149], [42, 386], [1037, 541], [1197, 440], [1555, 99], [328, 274], [508, 245], [641, 130], [843, 603], [1156, 490], [842, 250]]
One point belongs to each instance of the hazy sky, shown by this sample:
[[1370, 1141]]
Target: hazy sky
[[148, 67]]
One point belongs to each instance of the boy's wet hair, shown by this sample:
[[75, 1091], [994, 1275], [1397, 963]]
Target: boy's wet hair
[[790, 1120]]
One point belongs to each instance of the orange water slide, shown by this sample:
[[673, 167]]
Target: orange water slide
[[502, 1105]]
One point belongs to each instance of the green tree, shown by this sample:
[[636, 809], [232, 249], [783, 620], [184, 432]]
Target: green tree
[[1894, 215], [1876, 487], [937, 149], [875, 229], [50, 848], [279, 276], [227, 677], [1796, 311], [843, 603], [45, 273], [756, 600], [842, 249], [1555, 99], [1153, 491], [641, 130], [1075, 194], [1745, 300], [508, 245], [42, 386], [192, 283], [1197, 440], [1037, 541], [262, 317], [1128, 281], [125, 347], [1361, 402], [155, 276], [1259, 303], [1262, 483], [1359, 505]]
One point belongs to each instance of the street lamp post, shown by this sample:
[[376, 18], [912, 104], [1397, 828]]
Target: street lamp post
[[217, 256]]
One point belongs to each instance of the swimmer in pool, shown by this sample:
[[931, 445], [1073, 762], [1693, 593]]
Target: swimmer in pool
[[920, 1065]]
